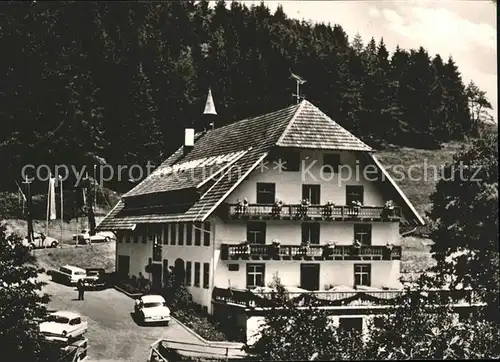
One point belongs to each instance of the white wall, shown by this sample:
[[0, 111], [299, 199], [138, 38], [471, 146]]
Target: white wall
[[289, 184], [254, 325], [139, 254], [332, 272], [289, 232]]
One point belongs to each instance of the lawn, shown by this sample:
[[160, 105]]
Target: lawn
[[86, 256], [404, 162]]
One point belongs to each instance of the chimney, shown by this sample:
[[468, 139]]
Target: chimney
[[188, 140], [209, 113]]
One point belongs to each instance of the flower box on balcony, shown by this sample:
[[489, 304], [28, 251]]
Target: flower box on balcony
[[304, 248], [328, 210], [327, 251], [276, 210], [241, 207], [388, 210], [274, 249], [302, 208], [245, 249], [356, 206]]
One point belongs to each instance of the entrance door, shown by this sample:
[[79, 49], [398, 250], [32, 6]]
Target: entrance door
[[156, 272], [309, 276], [123, 266]]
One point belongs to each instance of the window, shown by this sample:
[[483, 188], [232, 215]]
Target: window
[[181, 234], [310, 233], [255, 275], [196, 274], [363, 233], [331, 162], [157, 249], [266, 193], [206, 234], [378, 322], [165, 270], [75, 322], [173, 233], [311, 193], [362, 274], [233, 267], [128, 237], [353, 193], [189, 234], [197, 233], [351, 325], [256, 232], [188, 273], [206, 275], [290, 160], [165, 236]]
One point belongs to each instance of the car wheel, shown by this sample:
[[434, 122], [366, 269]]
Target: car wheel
[[54, 244], [31, 247], [87, 241], [107, 239]]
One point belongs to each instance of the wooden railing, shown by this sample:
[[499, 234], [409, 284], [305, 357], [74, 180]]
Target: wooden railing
[[249, 299], [339, 252], [323, 212]]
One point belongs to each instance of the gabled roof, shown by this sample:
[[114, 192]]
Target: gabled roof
[[311, 128], [239, 148]]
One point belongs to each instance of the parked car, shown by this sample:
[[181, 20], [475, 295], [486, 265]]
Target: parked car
[[152, 309], [63, 325], [85, 238], [40, 240], [68, 274], [95, 279]]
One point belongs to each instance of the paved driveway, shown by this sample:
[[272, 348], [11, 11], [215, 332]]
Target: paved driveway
[[113, 335]]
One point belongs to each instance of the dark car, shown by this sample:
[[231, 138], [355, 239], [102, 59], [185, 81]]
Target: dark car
[[95, 279]]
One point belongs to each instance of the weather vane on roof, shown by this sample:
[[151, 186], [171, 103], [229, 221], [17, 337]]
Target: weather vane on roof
[[299, 80]]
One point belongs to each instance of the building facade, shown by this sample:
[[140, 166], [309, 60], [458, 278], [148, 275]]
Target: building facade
[[290, 194]]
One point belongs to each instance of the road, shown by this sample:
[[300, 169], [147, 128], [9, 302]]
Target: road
[[113, 335]]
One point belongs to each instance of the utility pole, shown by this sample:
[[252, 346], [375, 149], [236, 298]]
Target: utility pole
[[29, 219], [90, 209]]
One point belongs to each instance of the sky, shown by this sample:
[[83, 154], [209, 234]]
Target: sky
[[466, 30]]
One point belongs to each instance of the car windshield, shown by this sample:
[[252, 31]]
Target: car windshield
[[58, 319], [92, 273], [79, 273], [153, 304]]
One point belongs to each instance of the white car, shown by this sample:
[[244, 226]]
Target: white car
[[63, 325], [40, 241], [103, 236], [152, 309]]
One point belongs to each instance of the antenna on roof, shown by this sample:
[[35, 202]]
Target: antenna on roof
[[299, 80]]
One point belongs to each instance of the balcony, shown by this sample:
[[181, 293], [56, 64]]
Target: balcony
[[252, 299], [311, 252], [312, 212]]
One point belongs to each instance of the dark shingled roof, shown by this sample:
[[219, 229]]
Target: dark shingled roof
[[241, 146]]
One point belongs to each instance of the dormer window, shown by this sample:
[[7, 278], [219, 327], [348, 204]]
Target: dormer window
[[331, 162]]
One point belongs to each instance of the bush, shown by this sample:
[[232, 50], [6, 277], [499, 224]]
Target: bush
[[200, 323], [135, 285]]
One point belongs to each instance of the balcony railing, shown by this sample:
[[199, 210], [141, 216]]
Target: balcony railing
[[313, 212], [249, 299], [316, 252]]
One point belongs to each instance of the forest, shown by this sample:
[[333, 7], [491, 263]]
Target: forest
[[119, 82]]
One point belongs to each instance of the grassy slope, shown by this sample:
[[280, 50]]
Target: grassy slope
[[420, 188]]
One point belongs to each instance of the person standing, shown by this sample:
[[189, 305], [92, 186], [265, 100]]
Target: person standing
[[81, 289]]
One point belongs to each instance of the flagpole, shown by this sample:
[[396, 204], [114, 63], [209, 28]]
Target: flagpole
[[48, 209], [61, 180]]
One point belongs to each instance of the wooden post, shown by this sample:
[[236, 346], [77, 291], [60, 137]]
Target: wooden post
[[29, 219]]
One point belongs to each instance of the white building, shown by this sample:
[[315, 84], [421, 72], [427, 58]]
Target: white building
[[210, 208]]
